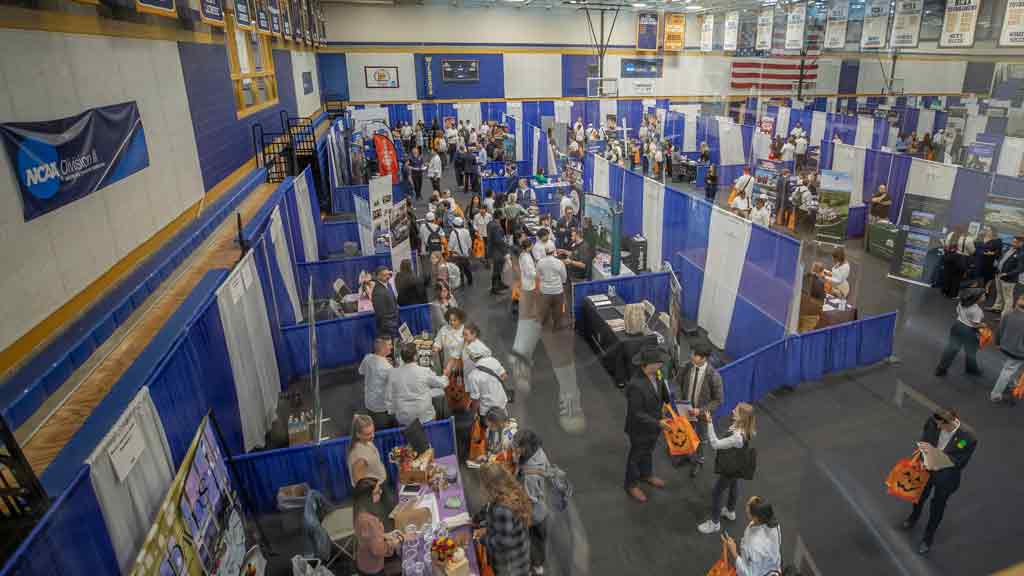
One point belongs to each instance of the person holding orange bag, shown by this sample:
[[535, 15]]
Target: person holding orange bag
[[760, 551], [646, 396]]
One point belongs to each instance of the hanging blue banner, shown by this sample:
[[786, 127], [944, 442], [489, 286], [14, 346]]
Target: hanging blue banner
[[647, 31], [60, 161]]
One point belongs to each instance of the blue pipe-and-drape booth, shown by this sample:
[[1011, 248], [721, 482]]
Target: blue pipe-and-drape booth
[[399, 114], [632, 199], [341, 197], [323, 273], [324, 466], [732, 143], [656, 287], [71, 539], [806, 357], [344, 341], [629, 113]]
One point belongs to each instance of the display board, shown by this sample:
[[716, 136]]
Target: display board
[[766, 177], [833, 207], [380, 207], [922, 222], [980, 156], [599, 221], [707, 32], [401, 246], [199, 528], [365, 223], [1005, 214], [460, 71]]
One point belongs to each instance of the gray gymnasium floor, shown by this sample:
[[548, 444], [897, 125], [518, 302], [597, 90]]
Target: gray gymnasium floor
[[823, 450]]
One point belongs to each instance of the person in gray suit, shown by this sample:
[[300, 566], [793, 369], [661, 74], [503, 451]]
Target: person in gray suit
[[701, 391]]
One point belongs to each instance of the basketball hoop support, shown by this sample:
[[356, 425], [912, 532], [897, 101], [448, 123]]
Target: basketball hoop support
[[597, 36]]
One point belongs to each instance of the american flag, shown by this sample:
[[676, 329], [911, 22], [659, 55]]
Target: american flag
[[772, 73]]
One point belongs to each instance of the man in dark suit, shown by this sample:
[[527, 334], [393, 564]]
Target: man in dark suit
[[496, 248], [942, 432], [385, 303], [782, 191], [1009, 267], [646, 397], [701, 388]]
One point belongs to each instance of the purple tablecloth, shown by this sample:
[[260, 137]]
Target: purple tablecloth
[[444, 513]]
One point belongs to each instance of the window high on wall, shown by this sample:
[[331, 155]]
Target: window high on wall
[[252, 67]]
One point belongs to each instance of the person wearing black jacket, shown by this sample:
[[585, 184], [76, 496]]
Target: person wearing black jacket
[[470, 170], [1009, 268], [412, 289], [782, 192], [496, 248], [417, 167], [711, 184], [646, 397], [942, 431], [385, 304]]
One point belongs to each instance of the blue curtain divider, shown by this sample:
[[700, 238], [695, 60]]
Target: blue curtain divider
[[324, 466], [62, 470], [279, 308], [28, 387], [341, 198], [653, 286], [323, 273], [344, 341], [71, 539], [336, 233]]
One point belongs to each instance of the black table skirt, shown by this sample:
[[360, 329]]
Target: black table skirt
[[615, 349]]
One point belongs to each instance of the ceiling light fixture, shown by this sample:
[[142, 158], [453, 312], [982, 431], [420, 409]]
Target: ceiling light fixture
[[639, 5]]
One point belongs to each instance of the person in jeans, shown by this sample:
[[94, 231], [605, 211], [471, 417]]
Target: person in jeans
[[553, 275], [700, 387], [533, 470], [374, 369], [416, 168], [741, 432], [1008, 270], [1011, 342], [964, 333], [460, 246]]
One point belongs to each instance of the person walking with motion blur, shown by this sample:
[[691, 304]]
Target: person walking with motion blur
[[732, 462], [964, 333]]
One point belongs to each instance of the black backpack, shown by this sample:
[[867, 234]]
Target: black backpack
[[434, 239]]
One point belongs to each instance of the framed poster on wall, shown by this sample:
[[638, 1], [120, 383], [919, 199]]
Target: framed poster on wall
[[381, 76]]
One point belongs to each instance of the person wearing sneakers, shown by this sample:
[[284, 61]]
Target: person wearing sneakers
[[741, 431], [646, 397], [1011, 344]]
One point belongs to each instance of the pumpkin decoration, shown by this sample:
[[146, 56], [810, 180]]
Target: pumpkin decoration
[[1018, 390], [455, 393], [681, 438], [984, 336], [907, 479]]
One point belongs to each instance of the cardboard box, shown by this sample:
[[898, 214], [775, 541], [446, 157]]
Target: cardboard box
[[410, 512]]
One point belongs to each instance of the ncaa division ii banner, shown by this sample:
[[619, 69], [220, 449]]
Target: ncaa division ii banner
[[59, 161]]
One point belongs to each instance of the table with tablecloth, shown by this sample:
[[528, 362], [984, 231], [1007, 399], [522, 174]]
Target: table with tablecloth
[[615, 349], [602, 267], [455, 490]]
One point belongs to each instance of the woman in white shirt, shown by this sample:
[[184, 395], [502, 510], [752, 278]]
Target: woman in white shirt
[[741, 431], [740, 204], [760, 551], [839, 275], [761, 214], [964, 333], [527, 326], [449, 341], [434, 171]]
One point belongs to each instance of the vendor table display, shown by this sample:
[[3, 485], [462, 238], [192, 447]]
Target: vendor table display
[[603, 326], [881, 238], [449, 518], [818, 312]]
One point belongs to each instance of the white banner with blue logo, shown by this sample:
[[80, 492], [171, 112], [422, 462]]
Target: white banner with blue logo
[[60, 161]]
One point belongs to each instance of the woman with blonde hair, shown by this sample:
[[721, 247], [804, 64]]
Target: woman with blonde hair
[[504, 531], [741, 432]]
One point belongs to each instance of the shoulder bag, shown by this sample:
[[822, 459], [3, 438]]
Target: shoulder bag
[[737, 462]]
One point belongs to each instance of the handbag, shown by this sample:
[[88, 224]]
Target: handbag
[[455, 392], [634, 318], [478, 247], [737, 462], [984, 336], [483, 563], [1018, 390], [680, 438], [907, 479], [723, 567], [477, 440]]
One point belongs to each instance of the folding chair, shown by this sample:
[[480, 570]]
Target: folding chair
[[338, 524]]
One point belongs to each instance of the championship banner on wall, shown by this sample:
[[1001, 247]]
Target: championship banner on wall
[[647, 31], [707, 32], [906, 24], [286, 24], [959, 24], [675, 30], [211, 12], [1012, 33], [876, 24], [60, 161], [387, 158], [262, 17], [243, 17], [765, 22], [835, 29], [158, 7], [922, 222], [796, 18], [732, 32], [833, 207], [275, 17]]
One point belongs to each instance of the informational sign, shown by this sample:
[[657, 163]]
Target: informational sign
[[922, 221], [387, 157], [381, 76], [401, 246], [675, 30], [158, 7], [647, 31], [906, 24], [833, 207], [460, 71], [835, 28], [365, 222], [980, 156], [211, 12], [243, 17], [768, 124], [765, 22], [1005, 214], [959, 24], [380, 206], [766, 177], [876, 24], [796, 20], [1012, 33], [127, 447], [732, 31], [56, 162], [707, 33], [641, 68]]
